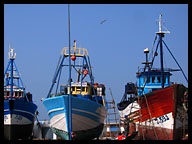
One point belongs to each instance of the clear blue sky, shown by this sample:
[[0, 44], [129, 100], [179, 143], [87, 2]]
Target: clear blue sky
[[38, 32]]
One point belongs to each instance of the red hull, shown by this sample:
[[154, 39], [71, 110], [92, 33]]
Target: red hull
[[148, 134], [159, 103]]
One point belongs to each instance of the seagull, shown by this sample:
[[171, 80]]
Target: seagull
[[103, 21]]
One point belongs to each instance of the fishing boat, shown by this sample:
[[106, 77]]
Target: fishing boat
[[87, 103], [19, 109], [156, 107]]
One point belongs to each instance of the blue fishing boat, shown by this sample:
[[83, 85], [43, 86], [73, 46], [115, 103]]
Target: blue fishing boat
[[87, 105], [19, 109]]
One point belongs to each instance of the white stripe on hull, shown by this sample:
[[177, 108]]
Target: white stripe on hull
[[129, 109], [166, 122], [53, 110]]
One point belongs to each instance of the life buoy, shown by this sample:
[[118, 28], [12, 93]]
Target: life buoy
[[85, 72]]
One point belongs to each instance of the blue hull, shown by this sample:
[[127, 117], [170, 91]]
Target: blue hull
[[87, 116], [19, 118]]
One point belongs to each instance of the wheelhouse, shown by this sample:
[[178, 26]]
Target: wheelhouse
[[85, 90], [151, 80], [77, 88], [17, 92]]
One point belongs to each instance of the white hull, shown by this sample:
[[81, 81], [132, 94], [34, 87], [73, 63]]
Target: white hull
[[79, 122], [16, 120]]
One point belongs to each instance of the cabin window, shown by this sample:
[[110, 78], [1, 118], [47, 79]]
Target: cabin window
[[72, 88], [148, 79], [164, 79], [99, 91], [168, 79], [16, 93], [78, 88], [20, 94], [158, 79], [8, 93], [153, 79]]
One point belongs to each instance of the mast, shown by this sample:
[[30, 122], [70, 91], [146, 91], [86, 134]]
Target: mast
[[12, 58], [161, 35], [147, 63], [161, 51]]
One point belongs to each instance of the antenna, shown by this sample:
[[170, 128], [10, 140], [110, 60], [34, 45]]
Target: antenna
[[166, 28], [160, 22], [160, 26], [11, 53]]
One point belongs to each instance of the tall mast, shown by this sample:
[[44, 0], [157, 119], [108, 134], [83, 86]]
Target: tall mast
[[12, 58], [161, 51], [161, 35], [160, 23]]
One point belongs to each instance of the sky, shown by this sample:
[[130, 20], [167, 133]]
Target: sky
[[38, 32]]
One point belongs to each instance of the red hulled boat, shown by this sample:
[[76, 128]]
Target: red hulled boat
[[155, 107]]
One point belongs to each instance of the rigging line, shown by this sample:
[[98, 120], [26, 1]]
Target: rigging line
[[55, 77], [90, 75], [140, 115], [59, 62], [176, 61], [164, 132], [20, 80], [18, 74], [154, 54], [90, 67], [82, 73], [140, 119], [148, 108], [150, 116], [58, 81], [165, 60], [130, 111], [75, 68], [153, 46]]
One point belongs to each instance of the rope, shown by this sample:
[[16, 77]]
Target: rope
[[164, 132], [176, 61], [140, 112], [141, 119], [149, 112], [150, 117]]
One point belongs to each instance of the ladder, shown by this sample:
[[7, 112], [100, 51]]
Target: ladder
[[112, 117], [138, 115]]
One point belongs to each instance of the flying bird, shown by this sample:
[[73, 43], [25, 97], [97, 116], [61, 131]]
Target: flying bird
[[103, 21]]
